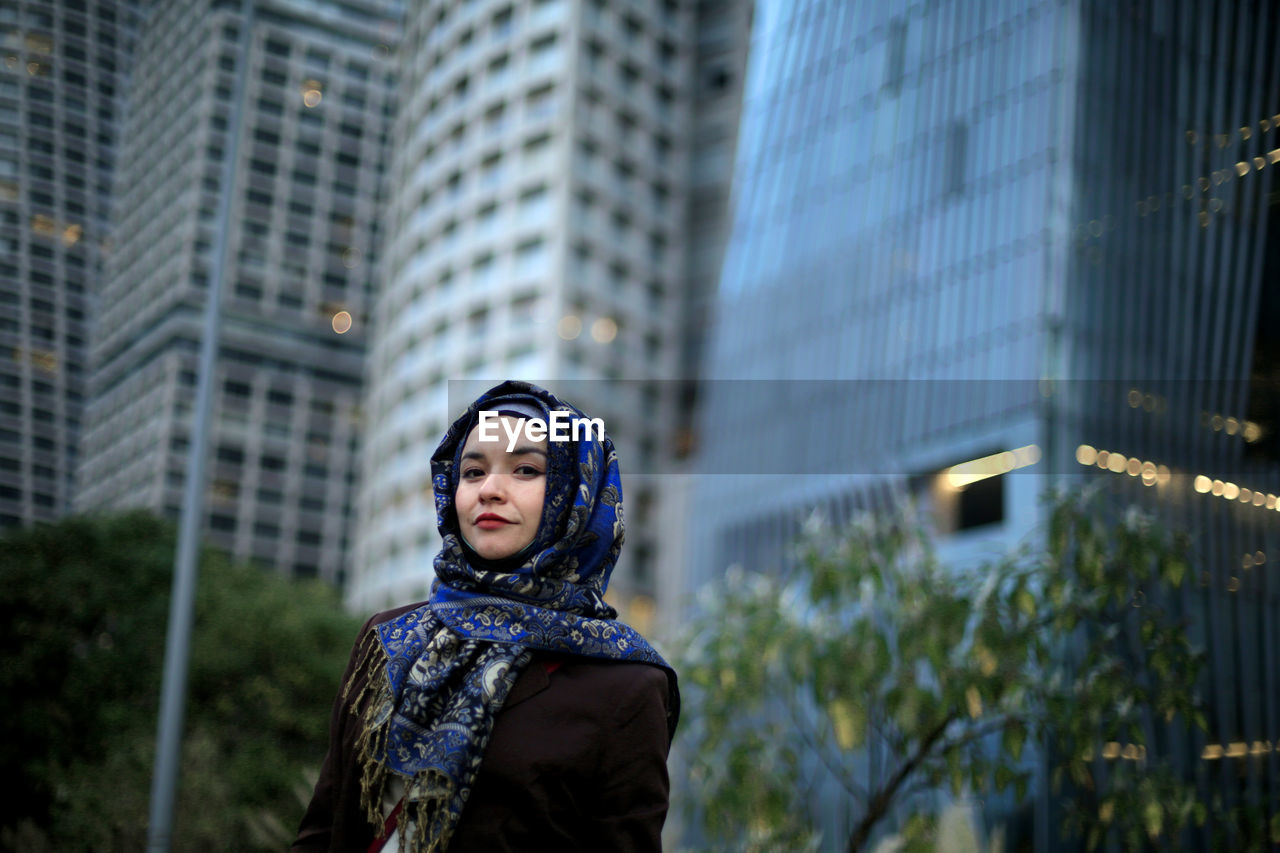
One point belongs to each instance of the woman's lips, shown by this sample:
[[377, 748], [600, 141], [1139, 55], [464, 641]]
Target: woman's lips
[[491, 522]]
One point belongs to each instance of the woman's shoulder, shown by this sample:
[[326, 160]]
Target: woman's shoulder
[[621, 696], [614, 684], [639, 673]]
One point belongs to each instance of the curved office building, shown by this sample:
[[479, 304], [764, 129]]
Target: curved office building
[[1047, 229], [540, 228]]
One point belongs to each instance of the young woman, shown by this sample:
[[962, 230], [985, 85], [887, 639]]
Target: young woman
[[511, 711]]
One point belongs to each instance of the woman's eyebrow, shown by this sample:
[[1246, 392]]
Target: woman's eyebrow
[[523, 449]]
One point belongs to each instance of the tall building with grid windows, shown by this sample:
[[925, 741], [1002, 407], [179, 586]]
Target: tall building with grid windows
[[560, 180], [300, 254], [1037, 236], [63, 67]]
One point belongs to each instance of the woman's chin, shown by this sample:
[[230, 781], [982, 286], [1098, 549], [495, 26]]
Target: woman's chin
[[495, 551]]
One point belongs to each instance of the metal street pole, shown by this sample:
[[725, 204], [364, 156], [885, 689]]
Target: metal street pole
[[164, 782]]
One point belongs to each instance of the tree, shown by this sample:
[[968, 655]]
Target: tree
[[83, 612], [872, 668]]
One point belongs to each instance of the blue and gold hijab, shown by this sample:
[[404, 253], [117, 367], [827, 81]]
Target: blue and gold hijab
[[439, 674]]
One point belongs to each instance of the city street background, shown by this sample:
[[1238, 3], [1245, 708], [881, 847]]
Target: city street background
[[985, 271]]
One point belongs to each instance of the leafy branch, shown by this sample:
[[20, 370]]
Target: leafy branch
[[868, 644]]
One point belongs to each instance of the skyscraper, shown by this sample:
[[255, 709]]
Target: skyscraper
[[299, 252], [1036, 236], [62, 83], [559, 177]]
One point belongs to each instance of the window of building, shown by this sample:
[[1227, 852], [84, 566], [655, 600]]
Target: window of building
[[956, 159], [491, 170], [531, 256], [493, 118], [977, 504], [593, 55], [498, 67], [665, 98], [542, 48], [230, 455], [232, 388], [483, 269], [621, 223], [280, 397], [541, 101], [628, 76], [657, 248], [270, 107], [478, 323], [223, 523], [524, 309], [537, 145], [534, 202], [895, 56], [266, 530], [500, 28]]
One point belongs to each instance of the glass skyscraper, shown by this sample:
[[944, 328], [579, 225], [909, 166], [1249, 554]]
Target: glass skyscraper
[[1040, 237]]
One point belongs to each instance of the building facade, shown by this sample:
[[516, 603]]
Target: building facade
[[1040, 229], [314, 87], [62, 84], [560, 179]]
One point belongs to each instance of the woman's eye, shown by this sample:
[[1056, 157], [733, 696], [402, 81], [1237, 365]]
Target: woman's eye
[[528, 471], [472, 474]]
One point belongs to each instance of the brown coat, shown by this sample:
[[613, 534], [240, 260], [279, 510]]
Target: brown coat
[[576, 761]]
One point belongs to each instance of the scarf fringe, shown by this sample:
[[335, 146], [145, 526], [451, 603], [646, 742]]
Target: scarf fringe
[[426, 797], [425, 815], [369, 703]]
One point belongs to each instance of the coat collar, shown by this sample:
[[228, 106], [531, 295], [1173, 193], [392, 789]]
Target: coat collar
[[532, 681]]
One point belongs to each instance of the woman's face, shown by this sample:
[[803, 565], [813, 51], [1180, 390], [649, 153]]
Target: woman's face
[[500, 493]]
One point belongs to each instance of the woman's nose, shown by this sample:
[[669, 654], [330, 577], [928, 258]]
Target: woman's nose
[[492, 487]]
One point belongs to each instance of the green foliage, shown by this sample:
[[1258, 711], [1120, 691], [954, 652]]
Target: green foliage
[[870, 646], [83, 614]]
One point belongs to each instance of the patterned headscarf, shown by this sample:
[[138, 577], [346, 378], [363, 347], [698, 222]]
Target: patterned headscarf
[[440, 673]]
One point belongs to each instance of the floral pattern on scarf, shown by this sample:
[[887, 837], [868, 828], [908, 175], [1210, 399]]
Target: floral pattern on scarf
[[441, 672]]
